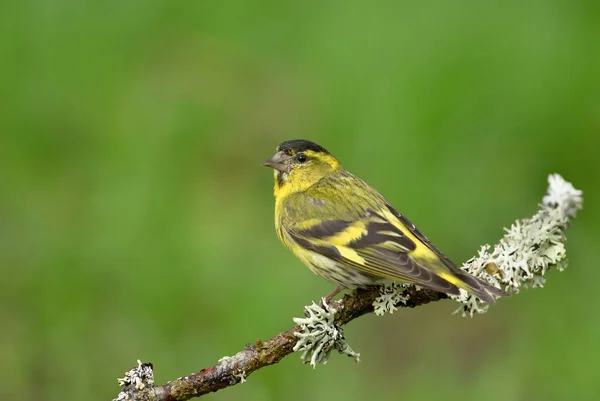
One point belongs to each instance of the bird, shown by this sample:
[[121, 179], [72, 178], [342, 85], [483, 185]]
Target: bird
[[345, 231]]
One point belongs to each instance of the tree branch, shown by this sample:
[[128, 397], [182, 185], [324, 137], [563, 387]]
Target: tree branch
[[529, 248], [232, 370]]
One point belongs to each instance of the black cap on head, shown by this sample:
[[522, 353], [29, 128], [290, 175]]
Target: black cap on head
[[299, 145]]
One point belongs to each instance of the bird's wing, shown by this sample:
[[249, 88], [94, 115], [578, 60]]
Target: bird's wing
[[419, 235], [367, 236]]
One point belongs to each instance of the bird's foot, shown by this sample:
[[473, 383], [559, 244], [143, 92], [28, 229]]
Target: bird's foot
[[331, 295]]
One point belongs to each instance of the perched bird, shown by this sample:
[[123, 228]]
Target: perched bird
[[348, 233]]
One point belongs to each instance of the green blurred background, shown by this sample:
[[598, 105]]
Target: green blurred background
[[136, 219]]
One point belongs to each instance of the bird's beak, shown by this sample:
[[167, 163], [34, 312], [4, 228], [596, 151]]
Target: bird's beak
[[278, 162]]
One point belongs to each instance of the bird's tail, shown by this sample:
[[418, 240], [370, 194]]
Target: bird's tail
[[473, 285]]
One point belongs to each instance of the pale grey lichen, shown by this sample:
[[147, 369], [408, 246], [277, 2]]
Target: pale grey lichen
[[231, 364], [319, 334], [241, 376], [135, 379], [529, 248], [224, 359], [389, 297], [523, 256]]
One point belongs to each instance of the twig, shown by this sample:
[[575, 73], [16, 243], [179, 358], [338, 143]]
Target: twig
[[235, 369], [522, 258]]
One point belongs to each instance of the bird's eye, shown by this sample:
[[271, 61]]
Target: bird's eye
[[302, 158]]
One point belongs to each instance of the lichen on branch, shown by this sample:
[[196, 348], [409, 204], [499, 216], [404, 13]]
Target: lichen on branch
[[521, 259], [318, 335], [529, 248]]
